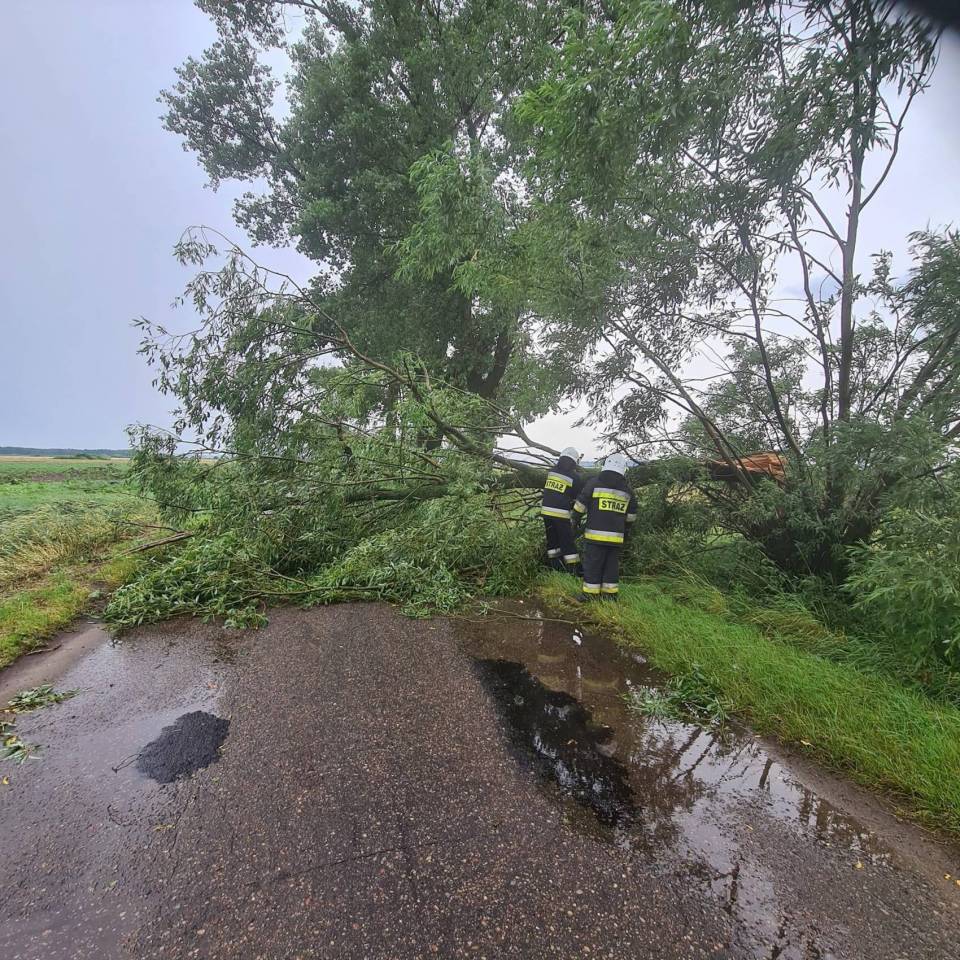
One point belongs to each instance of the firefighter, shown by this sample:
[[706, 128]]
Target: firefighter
[[610, 507], [559, 492]]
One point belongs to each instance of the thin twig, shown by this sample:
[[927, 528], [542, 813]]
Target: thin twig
[[184, 535], [506, 615], [33, 653]]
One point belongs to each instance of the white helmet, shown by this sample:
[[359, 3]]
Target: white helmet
[[572, 452], [616, 463]]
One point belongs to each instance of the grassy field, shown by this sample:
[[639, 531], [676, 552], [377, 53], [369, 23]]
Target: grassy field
[[65, 527], [880, 732], [28, 483]]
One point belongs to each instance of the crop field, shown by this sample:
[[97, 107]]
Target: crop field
[[66, 528], [29, 483]]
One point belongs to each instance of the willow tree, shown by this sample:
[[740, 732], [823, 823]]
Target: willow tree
[[373, 88], [703, 172]]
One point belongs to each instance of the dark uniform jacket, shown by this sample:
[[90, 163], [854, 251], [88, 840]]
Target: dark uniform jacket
[[609, 505], [561, 489]]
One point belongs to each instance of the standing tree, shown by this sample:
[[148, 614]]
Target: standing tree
[[374, 88], [696, 165]]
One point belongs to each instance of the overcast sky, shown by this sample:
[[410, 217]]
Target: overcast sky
[[95, 193]]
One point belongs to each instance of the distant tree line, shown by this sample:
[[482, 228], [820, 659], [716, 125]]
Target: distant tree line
[[62, 452]]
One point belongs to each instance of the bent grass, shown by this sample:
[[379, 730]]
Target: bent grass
[[58, 552]]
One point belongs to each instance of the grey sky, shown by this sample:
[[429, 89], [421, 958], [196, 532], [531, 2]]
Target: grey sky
[[95, 193]]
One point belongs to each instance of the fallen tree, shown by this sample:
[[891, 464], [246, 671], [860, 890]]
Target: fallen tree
[[583, 220]]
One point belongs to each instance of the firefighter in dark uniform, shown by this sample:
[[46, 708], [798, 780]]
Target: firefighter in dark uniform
[[610, 507], [559, 492]]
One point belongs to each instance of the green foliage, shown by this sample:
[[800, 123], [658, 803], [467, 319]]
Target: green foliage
[[690, 696], [522, 204], [677, 535], [433, 557], [678, 154], [908, 579], [36, 697], [377, 92], [348, 504], [442, 554], [12, 747], [728, 575], [211, 576]]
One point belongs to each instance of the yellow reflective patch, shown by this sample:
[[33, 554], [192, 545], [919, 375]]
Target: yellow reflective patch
[[553, 484], [613, 505], [609, 492], [601, 536]]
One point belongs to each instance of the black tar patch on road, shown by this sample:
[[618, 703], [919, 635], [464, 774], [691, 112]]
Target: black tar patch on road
[[190, 744]]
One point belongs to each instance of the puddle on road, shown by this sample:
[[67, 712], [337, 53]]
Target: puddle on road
[[566, 746], [676, 793], [190, 744], [561, 693]]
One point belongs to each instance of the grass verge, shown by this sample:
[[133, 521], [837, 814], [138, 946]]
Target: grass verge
[[33, 614], [65, 527], [875, 730]]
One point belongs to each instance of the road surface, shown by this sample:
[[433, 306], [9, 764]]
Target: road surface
[[347, 783]]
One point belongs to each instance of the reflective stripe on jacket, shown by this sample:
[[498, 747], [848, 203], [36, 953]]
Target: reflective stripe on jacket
[[610, 505]]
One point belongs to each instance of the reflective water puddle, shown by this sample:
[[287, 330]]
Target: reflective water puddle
[[674, 793], [553, 729]]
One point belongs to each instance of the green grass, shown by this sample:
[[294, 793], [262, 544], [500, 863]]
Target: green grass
[[27, 484], [790, 618], [879, 732], [29, 616], [63, 527]]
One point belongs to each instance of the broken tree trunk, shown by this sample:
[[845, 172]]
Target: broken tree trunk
[[526, 476]]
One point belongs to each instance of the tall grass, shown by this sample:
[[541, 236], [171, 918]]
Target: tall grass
[[61, 539], [35, 542]]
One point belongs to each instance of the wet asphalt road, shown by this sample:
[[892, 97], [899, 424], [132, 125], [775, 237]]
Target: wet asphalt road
[[367, 786]]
